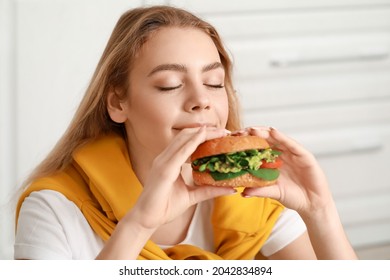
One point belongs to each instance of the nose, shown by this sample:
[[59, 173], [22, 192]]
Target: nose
[[197, 100]]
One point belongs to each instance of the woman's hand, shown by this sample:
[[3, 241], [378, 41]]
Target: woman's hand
[[166, 195], [302, 185]]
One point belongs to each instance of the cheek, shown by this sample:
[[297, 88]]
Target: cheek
[[222, 108], [148, 123], [151, 113]]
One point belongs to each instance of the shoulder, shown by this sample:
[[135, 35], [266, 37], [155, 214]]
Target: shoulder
[[52, 227], [288, 228], [47, 199]]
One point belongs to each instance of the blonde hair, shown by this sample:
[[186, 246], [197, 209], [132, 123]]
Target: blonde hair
[[132, 30]]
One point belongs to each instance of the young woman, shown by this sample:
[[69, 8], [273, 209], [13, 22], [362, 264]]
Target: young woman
[[118, 184]]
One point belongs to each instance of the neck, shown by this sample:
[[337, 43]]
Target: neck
[[141, 164]]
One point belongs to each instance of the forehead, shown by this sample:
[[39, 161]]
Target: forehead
[[187, 46]]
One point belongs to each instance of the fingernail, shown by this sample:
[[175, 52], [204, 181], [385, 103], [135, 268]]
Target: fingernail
[[245, 195], [228, 131], [239, 132], [261, 132], [234, 191], [259, 128]]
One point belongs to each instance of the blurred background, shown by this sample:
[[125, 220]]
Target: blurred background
[[317, 70]]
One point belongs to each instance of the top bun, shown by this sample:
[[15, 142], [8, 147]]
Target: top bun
[[229, 144]]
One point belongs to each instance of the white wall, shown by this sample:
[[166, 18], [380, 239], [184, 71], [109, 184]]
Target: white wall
[[49, 49], [319, 70], [7, 122]]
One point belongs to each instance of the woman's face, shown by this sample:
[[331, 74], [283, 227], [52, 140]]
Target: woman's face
[[176, 82]]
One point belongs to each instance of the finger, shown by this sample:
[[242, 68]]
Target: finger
[[187, 144], [261, 131], [202, 193], [241, 132], [183, 146], [269, 191], [284, 142]]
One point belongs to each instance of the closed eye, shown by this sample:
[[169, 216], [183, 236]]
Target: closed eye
[[215, 86], [169, 88]]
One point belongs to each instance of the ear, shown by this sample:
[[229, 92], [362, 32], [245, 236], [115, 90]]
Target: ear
[[116, 108]]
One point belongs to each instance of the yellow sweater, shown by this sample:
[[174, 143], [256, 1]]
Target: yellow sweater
[[101, 182]]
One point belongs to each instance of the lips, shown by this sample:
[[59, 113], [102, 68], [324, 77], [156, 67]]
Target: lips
[[193, 125]]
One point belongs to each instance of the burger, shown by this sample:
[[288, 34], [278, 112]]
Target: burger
[[236, 161]]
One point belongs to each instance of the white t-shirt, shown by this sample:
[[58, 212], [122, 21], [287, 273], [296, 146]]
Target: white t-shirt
[[52, 227]]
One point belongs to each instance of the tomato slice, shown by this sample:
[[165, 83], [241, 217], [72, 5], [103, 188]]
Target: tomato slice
[[195, 167], [272, 165]]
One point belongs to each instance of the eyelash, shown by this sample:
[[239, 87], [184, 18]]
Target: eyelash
[[179, 86], [169, 88], [215, 86]]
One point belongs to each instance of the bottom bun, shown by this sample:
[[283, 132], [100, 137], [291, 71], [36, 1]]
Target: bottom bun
[[247, 180]]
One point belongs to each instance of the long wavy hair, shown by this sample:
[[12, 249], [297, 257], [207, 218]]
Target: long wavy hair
[[132, 30]]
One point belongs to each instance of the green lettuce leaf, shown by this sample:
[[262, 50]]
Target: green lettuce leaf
[[262, 173], [265, 173]]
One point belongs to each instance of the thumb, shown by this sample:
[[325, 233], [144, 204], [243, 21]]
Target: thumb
[[202, 193]]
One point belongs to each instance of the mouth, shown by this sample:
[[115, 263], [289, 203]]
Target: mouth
[[193, 125]]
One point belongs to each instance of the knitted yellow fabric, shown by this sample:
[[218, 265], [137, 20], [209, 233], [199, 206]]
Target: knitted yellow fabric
[[101, 182]]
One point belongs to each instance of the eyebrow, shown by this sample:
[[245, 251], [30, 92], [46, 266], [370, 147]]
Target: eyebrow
[[212, 66], [182, 68]]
